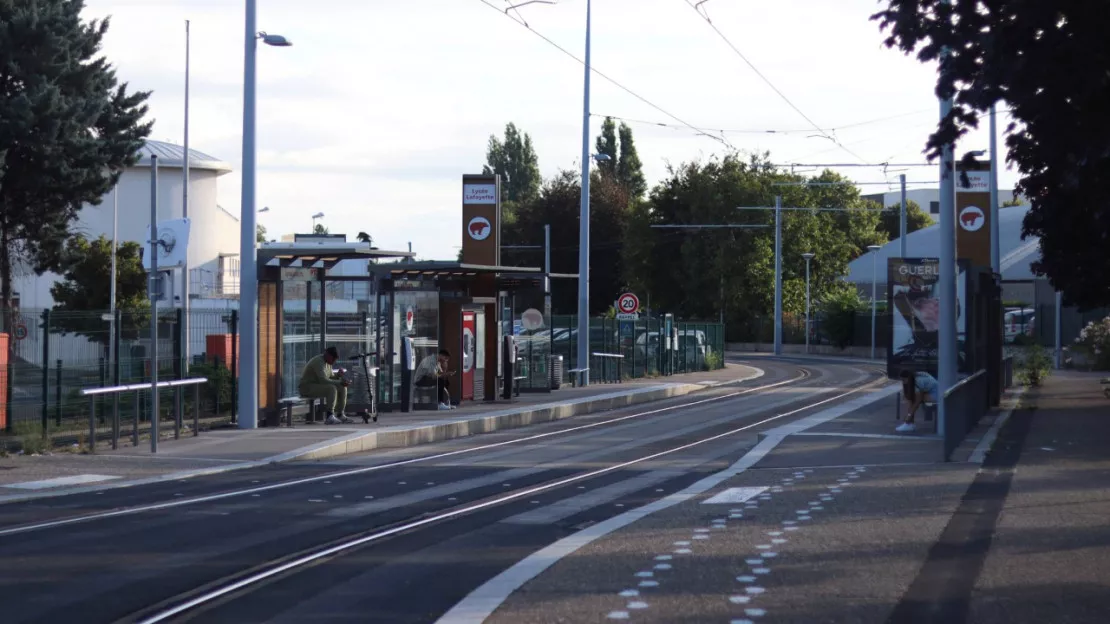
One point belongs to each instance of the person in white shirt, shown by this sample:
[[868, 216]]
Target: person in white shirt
[[432, 371]]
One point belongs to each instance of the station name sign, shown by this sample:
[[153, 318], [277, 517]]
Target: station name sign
[[479, 194]]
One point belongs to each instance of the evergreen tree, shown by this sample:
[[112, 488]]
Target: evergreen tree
[[67, 129]]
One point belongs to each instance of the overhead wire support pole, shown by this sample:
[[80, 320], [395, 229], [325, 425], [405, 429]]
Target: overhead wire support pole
[[947, 357], [778, 275], [902, 219], [584, 222]]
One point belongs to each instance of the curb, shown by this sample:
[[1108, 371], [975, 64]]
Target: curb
[[402, 436]]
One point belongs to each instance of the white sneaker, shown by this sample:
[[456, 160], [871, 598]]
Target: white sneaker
[[906, 428], [333, 420], [444, 406]]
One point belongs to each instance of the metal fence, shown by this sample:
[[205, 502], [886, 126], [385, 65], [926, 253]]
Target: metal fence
[[53, 355], [701, 346]]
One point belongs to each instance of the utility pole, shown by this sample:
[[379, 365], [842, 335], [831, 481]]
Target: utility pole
[[947, 357], [154, 244], [778, 274], [184, 329], [584, 224], [902, 221]]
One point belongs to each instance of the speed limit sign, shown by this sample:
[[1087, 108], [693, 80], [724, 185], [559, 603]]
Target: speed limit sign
[[628, 303]]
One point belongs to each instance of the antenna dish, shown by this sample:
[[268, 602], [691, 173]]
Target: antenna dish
[[173, 244]]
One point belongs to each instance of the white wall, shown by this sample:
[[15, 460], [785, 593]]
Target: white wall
[[213, 229]]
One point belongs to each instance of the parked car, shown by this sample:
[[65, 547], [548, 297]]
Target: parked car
[[693, 342], [1018, 321]]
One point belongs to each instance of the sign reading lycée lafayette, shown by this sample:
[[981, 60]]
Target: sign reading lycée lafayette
[[481, 220], [479, 193]]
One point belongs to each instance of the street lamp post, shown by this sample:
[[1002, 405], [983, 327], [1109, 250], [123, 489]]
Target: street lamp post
[[248, 276], [874, 294], [808, 256], [584, 221], [318, 215]]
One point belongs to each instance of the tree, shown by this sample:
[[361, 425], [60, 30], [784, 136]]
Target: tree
[[86, 270], [320, 229], [623, 163], [260, 233], [69, 129], [1048, 60], [630, 171], [1016, 200], [891, 218], [515, 160]]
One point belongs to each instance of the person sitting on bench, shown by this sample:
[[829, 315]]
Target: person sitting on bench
[[918, 388], [432, 372], [320, 381]]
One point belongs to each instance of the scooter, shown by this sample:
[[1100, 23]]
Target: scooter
[[371, 411]]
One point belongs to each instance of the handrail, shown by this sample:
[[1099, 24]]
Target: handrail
[[608, 355], [173, 383], [963, 382]]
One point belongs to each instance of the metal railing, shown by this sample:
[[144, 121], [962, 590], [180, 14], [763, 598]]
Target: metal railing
[[606, 364], [964, 404], [176, 384]]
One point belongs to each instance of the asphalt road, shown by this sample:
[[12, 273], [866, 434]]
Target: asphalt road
[[435, 522]]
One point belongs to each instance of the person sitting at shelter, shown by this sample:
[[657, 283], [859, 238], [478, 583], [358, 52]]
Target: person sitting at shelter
[[432, 371], [320, 381], [917, 388]]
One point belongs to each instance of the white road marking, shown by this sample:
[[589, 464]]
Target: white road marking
[[740, 599], [761, 570], [735, 495], [754, 590], [649, 583], [682, 543], [746, 579], [618, 615], [662, 566], [663, 557], [741, 622], [753, 561], [630, 593], [769, 555], [682, 551], [638, 605], [481, 603], [60, 481], [645, 574], [755, 612]]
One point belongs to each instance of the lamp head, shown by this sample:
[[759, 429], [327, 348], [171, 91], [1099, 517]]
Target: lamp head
[[277, 41], [602, 157], [874, 247], [808, 255], [318, 215]]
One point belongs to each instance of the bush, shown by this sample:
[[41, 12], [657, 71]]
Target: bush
[[840, 308], [714, 361], [1034, 365], [1094, 342], [218, 389]]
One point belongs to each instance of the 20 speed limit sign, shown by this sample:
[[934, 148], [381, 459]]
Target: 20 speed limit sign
[[628, 303]]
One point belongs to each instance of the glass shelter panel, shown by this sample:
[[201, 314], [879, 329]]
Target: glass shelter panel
[[302, 330], [416, 315]]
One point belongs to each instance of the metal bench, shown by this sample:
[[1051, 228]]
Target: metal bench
[[288, 403], [574, 375]]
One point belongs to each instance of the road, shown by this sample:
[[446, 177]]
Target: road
[[400, 536]]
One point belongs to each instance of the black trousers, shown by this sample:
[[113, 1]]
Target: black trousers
[[442, 383]]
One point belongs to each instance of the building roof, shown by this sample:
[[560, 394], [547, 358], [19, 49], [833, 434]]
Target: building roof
[[1015, 254], [170, 155], [310, 253]]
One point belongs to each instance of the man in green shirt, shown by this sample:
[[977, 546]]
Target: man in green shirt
[[320, 381]]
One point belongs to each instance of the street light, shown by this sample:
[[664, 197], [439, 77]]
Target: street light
[[808, 256], [318, 215], [248, 281], [874, 285]]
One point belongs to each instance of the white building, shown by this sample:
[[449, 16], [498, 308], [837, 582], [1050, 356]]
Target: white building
[[214, 236]]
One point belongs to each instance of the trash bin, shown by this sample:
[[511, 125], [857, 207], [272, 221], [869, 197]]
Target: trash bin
[[557, 372]]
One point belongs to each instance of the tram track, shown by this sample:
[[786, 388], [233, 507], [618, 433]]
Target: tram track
[[185, 606]]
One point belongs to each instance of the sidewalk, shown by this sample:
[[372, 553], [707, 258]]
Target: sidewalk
[[1049, 559], [223, 450]]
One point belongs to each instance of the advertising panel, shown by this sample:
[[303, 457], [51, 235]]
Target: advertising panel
[[912, 285]]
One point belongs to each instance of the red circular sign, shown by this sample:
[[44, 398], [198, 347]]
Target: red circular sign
[[628, 303]]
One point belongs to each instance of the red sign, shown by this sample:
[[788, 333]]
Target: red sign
[[469, 355], [628, 303]]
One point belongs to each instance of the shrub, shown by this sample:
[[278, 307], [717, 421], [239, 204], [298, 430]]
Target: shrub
[[714, 361], [1034, 365], [1094, 342], [840, 308]]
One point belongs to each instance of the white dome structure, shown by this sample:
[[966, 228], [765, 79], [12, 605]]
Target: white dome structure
[[1016, 255], [214, 236]]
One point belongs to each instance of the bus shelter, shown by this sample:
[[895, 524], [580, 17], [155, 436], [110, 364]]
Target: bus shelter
[[371, 303]]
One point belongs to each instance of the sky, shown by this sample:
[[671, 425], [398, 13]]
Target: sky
[[381, 106]]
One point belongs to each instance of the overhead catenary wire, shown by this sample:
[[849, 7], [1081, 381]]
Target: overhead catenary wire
[[697, 7], [620, 86], [664, 124]]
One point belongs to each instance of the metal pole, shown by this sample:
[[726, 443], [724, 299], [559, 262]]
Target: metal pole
[[248, 280], [153, 304], [996, 262], [112, 283], [547, 272], [874, 294], [778, 275], [1059, 330], [947, 357], [185, 351], [807, 306], [902, 221], [584, 222]]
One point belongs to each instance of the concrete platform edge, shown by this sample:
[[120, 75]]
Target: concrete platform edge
[[365, 441]]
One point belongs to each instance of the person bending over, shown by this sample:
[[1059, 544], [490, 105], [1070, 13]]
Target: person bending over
[[917, 388], [319, 380]]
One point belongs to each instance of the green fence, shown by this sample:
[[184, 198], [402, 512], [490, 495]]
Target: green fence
[[643, 344], [53, 355]]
